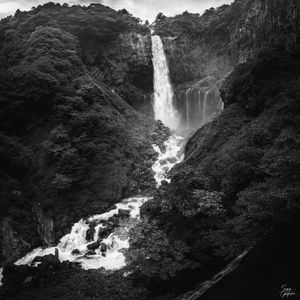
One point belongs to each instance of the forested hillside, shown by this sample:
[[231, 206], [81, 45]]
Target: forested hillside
[[70, 146], [77, 135]]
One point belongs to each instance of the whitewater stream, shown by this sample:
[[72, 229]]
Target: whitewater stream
[[93, 249]]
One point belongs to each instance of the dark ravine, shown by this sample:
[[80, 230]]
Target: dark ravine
[[76, 135]]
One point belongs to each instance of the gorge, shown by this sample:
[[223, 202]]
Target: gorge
[[150, 161]]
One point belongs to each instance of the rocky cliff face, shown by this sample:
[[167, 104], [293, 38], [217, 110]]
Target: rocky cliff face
[[208, 47], [125, 64], [266, 23], [214, 43]]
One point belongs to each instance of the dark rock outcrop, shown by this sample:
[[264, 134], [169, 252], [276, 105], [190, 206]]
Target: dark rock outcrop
[[125, 64]]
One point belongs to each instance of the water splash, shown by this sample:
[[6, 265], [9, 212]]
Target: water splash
[[1, 276], [167, 159], [110, 259], [164, 109]]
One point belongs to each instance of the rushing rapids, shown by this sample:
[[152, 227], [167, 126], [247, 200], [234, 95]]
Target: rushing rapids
[[98, 241], [167, 158]]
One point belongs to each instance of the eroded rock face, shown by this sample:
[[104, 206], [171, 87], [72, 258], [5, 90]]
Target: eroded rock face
[[202, 50], [270, 22], [45, 226], [214, 43], [125, 65], [12, 243]]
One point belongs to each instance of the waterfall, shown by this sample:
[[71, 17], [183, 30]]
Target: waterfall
[[199, 100], [204, 107], [163, 92], [187, 109]]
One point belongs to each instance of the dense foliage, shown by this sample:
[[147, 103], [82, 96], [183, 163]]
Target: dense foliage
[[240, 177], [70, 146]]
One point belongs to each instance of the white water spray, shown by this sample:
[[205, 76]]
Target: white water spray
[[110, 259], [167, 159], [1, 276], [164, 109]]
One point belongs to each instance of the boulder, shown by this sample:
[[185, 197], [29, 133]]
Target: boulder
[[164, 184], [90, 234], [163, 162], [93, 246], [103, 247], [50, 259], [172, 160], [114, 220], [75, 252], [104, 233], [124, 213], [165, 169]]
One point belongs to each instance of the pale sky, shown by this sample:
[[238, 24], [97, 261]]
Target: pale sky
[[144, 9]]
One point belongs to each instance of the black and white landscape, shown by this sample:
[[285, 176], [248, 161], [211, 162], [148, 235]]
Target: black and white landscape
[[150, 159]]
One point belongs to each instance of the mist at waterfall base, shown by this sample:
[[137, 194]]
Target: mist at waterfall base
[[198, 103]]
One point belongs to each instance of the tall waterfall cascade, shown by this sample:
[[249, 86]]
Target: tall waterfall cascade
[[164, 109], [189, 107]]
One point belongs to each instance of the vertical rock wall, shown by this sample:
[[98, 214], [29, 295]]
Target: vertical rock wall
[[125, 64]]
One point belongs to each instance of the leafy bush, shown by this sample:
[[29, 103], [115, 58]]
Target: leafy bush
[[154, 254]]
